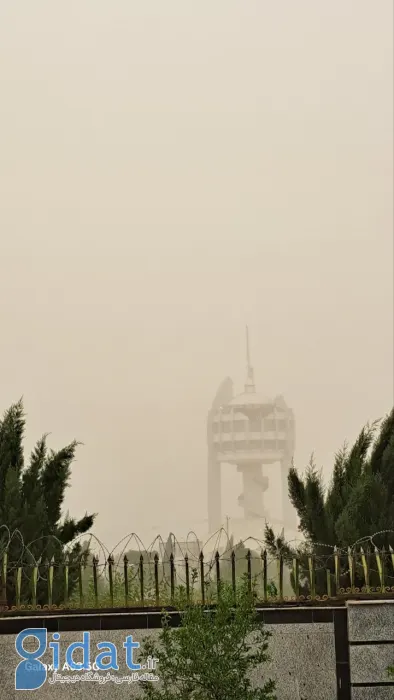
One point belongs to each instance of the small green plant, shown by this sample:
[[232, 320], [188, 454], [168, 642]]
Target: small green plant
[[272, 589], [211, 655]]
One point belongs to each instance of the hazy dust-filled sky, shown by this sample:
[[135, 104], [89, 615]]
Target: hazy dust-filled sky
[[169, 171]]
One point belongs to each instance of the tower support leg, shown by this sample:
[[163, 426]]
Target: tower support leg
[[253, 488], [214, 495]]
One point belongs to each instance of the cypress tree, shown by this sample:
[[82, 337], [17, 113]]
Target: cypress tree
[[32, 530], [356, 510]]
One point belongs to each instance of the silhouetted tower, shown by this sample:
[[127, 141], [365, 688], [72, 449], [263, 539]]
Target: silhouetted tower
[[248, 431]]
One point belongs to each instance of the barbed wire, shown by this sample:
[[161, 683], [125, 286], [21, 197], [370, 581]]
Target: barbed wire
[[97, 554]]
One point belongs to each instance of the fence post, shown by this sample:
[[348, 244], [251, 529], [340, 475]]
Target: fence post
[[141, 572], [172, 577], [233, 577], [34, 578], [392, 556], [202, 578], [111, 562], [337, 571], [3, 591], [380, 568], [217, 564], [368, 565], [126, 580], [157, 593], [95, 581], [365, 569], [50, 582], [328, 576], [383, 569], [280, 566], [265, 575], [311, 562], [296, 574], [80, 582], [249, 564], [18, 586], [187, 578], [65, 580]]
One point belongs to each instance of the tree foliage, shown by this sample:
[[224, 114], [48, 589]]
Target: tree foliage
[[32, 529], [358, 504], [211, 655]]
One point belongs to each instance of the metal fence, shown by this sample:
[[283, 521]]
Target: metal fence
[[151, 580]]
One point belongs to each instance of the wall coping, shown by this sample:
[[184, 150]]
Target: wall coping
[[112, 620], [173, 611], [370, 602]]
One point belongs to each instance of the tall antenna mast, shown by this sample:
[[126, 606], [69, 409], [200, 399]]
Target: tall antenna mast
[[249, 386]]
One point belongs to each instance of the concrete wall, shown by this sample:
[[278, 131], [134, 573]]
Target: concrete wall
[[303, 664], [303, 658], [371, 649], [317, 653]]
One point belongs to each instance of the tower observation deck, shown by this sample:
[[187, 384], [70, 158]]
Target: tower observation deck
[[248, 431]]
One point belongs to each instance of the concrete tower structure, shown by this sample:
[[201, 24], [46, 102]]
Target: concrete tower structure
[[249, 431]]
